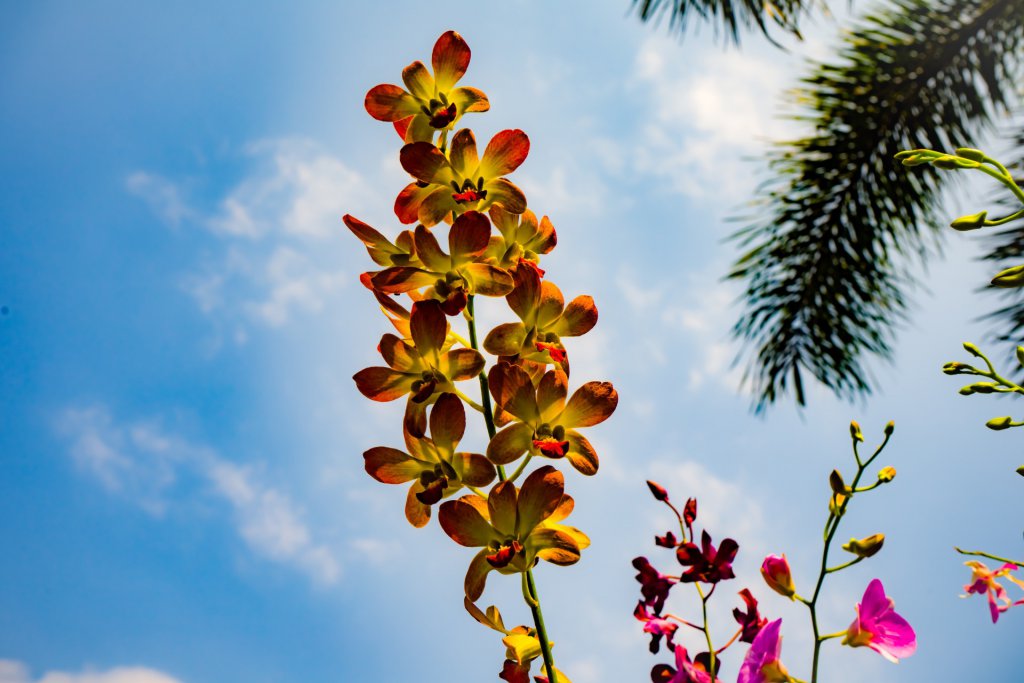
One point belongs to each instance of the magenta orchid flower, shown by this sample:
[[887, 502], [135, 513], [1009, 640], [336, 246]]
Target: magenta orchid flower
[[654, 586], [984, 580], [762, 665], [879, 627], [656, 626], [684, 672]]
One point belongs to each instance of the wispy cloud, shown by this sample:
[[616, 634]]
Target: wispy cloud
[[279, 229], [12, 671], [146, 465]]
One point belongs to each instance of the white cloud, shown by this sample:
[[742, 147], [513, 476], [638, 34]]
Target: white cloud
[[280, 230], [145, 464], [15, 672], [709, 110]]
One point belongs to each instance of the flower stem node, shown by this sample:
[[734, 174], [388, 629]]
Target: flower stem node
[[865, 547]]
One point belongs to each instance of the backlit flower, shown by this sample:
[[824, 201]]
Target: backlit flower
[[707, 564], [432, 464], [685, 671], [545, 423], [431, 103], [523, 238], [761, 664], [751, 622], [544, 320], [422, 370], [879, 627], [656, 626], [984, 580], [461, 180], [450, 278], [514, 527]]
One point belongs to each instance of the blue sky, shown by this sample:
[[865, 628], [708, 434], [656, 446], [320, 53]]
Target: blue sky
[[182, 497]]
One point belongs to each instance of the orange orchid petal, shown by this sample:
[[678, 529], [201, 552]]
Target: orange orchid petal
[[539, 497], [510, 443], [426, 163], [418, 80], [429, 251], [447, 422], [505, 339], [469, 237], [390, 103], [407, 204], [400, 279], [465, 525], [436, 206], [450, 59], [578, 318], [501, 504], [469, 100], [416, 512], [589, 405], [504, 154], [551, 393], [414, 421], [551, 303], [545, 239], [428, 326], [463, 153], [488, 280], [474, 469], [476, 575], [581, 539], [399, 355], [581, 454], [564, 509], [526, 296], [390, 466], [462, 364], [501, 191], [382, 384], [555, 546], [513, 390]]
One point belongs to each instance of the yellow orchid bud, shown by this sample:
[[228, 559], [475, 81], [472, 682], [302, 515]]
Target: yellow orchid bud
[[835, 480], [855, 432], [999, 423], [865, 547], [970, 222], [890, 427], [835, 504], [970, 153], [886, 474], [1011, 277]]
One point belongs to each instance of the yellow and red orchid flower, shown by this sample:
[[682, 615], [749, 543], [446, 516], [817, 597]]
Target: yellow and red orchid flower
[[521, 644], [451, 278], [422, 370], [545, 424], [436, 469], [545, 319], [432, 103], [522, 239], [461, 181], [514, 528], [384, 252]]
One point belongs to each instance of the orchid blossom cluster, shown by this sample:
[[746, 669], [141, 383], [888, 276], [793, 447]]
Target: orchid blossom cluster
[[475, 237], [876, 624], [984, 581]]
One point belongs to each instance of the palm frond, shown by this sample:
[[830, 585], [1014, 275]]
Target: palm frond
[[728, 16], [826, 264]]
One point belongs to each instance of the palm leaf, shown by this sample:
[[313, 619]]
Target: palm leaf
[[726, 15], [826, 264]]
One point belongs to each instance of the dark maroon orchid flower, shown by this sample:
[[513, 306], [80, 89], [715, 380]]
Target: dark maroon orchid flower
[[750, 621], [654, 586], [706, 564]]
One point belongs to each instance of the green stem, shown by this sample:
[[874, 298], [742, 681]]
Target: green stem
[[485, 393], [522, 466], [532, 599], [470, 402], [852, 562], [707, 631], [978, 553]]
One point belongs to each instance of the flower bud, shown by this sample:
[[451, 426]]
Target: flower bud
[[1020, 355], [835, 480], [1020, 470], [949, 163], [970, 153], [855, 432], [957, 368], [979, 388], [777, 575], [999, 423], [658, 491], [886, 474], [835, 504], [970, 222], [865, 547], [890, 427], [973, 350], [1011, 277]]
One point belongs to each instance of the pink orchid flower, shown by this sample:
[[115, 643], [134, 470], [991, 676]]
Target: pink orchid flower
[[762, 665], [879, 627], [983, 580]]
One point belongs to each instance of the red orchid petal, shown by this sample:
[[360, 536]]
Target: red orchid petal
[[450, 59], [504, 153], [390, 103]]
